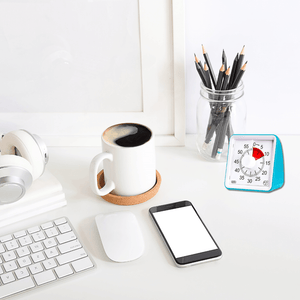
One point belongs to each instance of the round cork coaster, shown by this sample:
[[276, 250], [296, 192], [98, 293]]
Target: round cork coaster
[[129, 200]]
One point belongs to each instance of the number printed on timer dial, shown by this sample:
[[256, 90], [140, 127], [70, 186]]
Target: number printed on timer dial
[[250, 162]]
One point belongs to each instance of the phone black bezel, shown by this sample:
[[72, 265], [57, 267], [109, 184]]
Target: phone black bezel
[[189, 259]]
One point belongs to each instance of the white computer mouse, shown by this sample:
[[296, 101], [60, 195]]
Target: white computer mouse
[[121, 236]]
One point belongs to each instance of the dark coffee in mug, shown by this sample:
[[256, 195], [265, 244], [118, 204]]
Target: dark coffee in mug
[[127, 135], [128, 159]]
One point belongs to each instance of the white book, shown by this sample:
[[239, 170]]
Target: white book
[[45, 194]]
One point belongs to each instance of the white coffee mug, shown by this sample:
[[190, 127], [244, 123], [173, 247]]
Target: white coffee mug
[[129, 170]]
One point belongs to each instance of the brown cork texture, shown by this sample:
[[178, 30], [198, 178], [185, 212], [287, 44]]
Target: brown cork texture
[[129, 200]]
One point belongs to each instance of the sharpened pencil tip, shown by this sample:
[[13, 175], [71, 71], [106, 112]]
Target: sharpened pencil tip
[[203, 49], [243, 50], [227, 71], [244, 66]]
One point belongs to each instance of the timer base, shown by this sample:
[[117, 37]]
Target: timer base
[[129, 200]]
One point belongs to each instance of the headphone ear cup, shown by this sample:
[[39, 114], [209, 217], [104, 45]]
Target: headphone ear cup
[[27, 147], [15, 178]]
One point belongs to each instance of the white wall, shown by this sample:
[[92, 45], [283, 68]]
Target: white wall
[[53, 53], [74, 67], [270, 31]]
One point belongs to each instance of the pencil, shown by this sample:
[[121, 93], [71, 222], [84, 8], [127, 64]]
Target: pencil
[[206, 75], [225, 80], [199, 70], [233, 71], [224, 59], [217, 118], [220, 77], [218, 148], [239, 76], [239, 63], [198, 62], [219, 131], [211, 71]]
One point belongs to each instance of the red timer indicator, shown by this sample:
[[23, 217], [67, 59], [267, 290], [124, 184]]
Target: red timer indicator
[[257, 153]]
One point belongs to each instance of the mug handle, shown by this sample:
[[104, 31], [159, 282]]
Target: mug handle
[[94, 166]]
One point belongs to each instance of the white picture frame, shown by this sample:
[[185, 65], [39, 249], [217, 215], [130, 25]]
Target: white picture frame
[[85, 129]]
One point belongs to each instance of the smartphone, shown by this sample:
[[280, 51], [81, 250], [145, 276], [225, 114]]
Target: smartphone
[[184, 233]]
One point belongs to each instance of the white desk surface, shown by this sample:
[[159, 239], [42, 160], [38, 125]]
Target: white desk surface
[[259, 233]]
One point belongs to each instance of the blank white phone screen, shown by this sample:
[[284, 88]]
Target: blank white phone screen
[[184, 231]]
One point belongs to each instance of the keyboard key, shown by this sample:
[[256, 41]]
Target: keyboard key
[[21, 273], [11, 245], [50, 243], [8, 256], [52, 252], [36, 247], [70, 256], [8, 277], [51, 232], [44, 277], [23, 251], [33, 229], [2, 249], [25, 240], [5, 238], [49, 264], [64, 228], [36, 268], [16, 287], [37, 257], [39, 236], [63, 271], [60, 221], [24, 261], [67, 247], [66, 237], [82, 264], [47, 225], [19, 234], [10, 266]]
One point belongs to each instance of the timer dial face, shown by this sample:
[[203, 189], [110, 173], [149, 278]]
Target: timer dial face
[[250, 162]]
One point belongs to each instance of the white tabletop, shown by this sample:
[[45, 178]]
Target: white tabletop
[[258, 233]]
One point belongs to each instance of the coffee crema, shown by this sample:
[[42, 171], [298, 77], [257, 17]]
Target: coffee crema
[[127, 135]]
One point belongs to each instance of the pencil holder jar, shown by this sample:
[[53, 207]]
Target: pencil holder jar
[[220, 113]]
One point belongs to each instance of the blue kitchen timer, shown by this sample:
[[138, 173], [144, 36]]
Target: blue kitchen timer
[[254, 163]]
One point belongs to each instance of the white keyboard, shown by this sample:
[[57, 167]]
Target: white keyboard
[[38, 255]]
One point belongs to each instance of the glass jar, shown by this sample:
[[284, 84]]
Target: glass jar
[[219, 115]]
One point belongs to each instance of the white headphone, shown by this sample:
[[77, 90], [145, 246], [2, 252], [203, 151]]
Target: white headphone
[[23, 159]]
